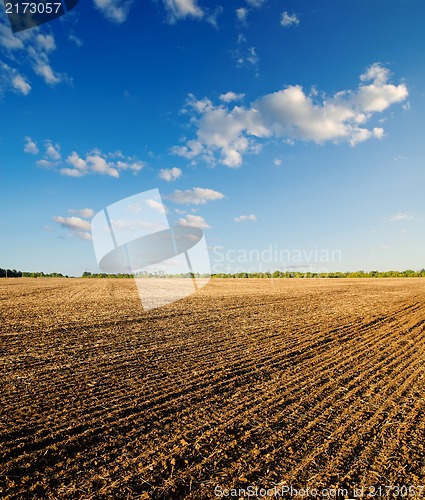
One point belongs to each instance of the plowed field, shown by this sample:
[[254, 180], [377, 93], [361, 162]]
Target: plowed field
[[307, 383]]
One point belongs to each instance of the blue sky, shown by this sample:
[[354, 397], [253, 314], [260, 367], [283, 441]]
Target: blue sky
[[274, 125]]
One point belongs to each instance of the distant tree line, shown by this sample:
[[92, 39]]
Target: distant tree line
[[409, 273], [86, 274], [349, 274], [13, 273]]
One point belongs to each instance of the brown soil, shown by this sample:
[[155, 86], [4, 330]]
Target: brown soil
[[309, 383]]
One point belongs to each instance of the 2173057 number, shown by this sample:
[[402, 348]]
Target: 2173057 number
[[33, 8]]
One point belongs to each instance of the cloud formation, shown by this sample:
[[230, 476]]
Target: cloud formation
[[398, 217], [243, 218], [225, 134], [194, 221], [30, 146], [195, 196], [94, 162], [85, 213], [114, 10], [170, 174], [289, 20], [182, 9], [31, 48], [231, 96], [245, 56], [76, 226]]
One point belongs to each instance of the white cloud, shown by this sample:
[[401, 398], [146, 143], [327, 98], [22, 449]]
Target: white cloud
[[194, 221], [76, 225], [376, 73], [244, 55], [129, 165], [398, 217], [83, 235], [170, 174], [46, 42], [156, 205], [47, 163], [243, 218], [30, 146], [182, 9], [11, 80], [52, 150], [99, 165], [29, 47], [94, 162], [242, 14], [7, 39], [290, 115], [19, 83], [213, 16], [114, 10], [72, 37], [85, 213], [231, 96], [42, 68], [73, 223], [255, 3], [195, 196], [75, 161], [277, 162], [289, 20], [70, 172]]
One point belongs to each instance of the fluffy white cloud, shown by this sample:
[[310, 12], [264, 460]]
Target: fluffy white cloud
[[195, 196], [11, 80], [30, 146], [46, 163], [245, 55], [135, 166], [70, 172], [170, 174], [231, 96], [46, 42], [73, 223], [94, 162], [19, 83], [52, 150], [114, 10], [85, 213], [182, 9], [242, 14], [289, 20], [255, 3], [194, 221], [398, 217], [156, 205], [75, 161], [243, 218], [290, 114], [99, 165], [29, 47]]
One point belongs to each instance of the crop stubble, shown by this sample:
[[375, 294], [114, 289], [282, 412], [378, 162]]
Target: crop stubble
[[315, 383]]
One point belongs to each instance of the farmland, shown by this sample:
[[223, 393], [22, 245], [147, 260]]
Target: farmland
[[314, 383]]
